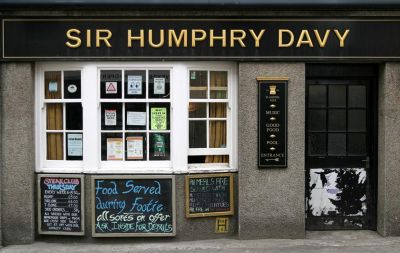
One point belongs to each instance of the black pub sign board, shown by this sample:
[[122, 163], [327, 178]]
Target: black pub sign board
[[278, 39], [133, 206], [209, 195], [272, 122], [61, 204]]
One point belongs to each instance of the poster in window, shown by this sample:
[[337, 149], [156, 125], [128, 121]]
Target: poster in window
[[159, 86], [111, 88], [134, 85], [159, 146], [134, 147], [158, 118], [74, 144], [136, 118], [115, 149], [110, 117]]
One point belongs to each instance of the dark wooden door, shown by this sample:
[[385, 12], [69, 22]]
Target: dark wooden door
[[340, 148]]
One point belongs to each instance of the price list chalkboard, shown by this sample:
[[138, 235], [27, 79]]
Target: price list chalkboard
[[209, 195], [272, 122], [131, 206], [61, 204]]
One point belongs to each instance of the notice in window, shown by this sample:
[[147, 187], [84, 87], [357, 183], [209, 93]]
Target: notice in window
[[136, 118], [110, 117], [159, 86], [134, 146], [115, 149], [158, 118], [111, 88], [134, 85], [74, 143]]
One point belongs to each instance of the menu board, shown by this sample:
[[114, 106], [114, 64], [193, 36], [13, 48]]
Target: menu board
[[209, 195], [272, 122], [61, 204], [132, 206]]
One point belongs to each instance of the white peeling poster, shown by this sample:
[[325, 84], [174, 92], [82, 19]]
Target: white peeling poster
[[134, 85], [134, 147], [159, 86], [110, 117], [74, 143], [115, 149]]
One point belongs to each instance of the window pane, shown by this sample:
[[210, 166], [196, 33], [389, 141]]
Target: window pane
[[317, 96], [218, 84], [110, 83], [357, 96], [74, 143], [159, 116], [55, 146], [52, 84], [135, 84], [208, 159], [198, 84], [111, 116], [217, 132], [357, 144], [337, 95], [316, 144], [112, 147], [336, 144], [73, 116], [217, 110], [159, 83], [72, 84], [198, 134], [316, 120], [197, 110], [136, 147], [135, 116], [54, 116], [159, 146], [337, 120], [357, 120]]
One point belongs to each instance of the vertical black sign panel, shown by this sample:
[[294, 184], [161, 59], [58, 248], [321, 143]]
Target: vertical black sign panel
[[272, 122], [128, 206], [209, 195], [61, 204]]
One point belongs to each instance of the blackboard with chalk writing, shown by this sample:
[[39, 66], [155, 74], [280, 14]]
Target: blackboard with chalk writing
[[61, 202], [131, 206], [209, 195]]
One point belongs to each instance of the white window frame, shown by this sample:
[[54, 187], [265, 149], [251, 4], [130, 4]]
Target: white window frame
[[179, 119]]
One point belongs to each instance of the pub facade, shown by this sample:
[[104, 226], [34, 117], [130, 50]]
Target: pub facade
[[246, 120]]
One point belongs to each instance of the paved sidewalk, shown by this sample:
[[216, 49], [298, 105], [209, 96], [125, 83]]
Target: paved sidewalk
[[321, 242]]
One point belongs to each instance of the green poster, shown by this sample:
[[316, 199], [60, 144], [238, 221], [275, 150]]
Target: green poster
[[158, 118]]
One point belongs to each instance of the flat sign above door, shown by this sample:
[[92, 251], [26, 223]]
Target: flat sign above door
[[200, 39]]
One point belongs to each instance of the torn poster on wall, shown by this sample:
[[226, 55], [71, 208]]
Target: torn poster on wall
[[337, 192]]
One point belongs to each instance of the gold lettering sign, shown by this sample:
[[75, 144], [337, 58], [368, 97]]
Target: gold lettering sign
[[224, 38]]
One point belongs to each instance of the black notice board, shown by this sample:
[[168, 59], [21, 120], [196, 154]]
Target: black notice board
[[132, 206], [272, 122], [61, 204], [209, 195]]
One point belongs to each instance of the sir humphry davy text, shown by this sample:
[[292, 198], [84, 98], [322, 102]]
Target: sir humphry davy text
[[132, 206]]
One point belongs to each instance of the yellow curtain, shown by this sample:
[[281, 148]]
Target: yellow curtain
[[217, 128], [54, 116]]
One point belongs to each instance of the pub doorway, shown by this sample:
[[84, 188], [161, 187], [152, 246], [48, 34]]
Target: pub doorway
[[341, 147]]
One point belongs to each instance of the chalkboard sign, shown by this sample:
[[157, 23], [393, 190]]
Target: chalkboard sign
[[61, 204], [272, 122], [209, 195], [133, 206]]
